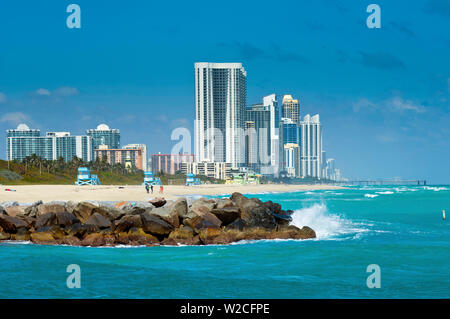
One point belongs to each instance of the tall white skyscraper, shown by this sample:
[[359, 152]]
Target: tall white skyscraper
[[311, 147], [220, 99]]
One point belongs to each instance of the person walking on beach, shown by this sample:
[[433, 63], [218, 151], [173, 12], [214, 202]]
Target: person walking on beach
[[151, 187], [147, 189], [161, 189]]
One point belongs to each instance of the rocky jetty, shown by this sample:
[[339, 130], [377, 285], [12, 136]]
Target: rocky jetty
[[157, 222]]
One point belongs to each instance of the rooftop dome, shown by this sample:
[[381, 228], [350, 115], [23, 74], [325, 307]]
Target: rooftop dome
[[23, 127], [103, 127]]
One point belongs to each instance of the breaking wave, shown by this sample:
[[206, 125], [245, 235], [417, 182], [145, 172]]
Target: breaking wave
[[326, 226]]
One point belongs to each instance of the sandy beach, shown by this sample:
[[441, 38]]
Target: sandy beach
[[47, 193]]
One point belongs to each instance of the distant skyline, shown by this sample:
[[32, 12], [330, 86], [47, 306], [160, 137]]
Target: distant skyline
[[383, 95]]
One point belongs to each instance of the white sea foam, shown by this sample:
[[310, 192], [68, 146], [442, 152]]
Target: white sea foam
[[326, 226], [436, 189], [385, 193], [370, 195]]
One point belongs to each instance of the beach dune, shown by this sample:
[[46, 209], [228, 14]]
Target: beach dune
[[46, 193]]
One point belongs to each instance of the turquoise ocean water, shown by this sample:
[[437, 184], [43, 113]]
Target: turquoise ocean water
[[399, 228]]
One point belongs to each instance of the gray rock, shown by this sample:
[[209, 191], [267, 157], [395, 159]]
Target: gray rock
[[98, 220], [154, 225], [208, 203]]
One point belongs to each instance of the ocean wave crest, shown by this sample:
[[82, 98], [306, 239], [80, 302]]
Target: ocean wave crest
[[326, 226]]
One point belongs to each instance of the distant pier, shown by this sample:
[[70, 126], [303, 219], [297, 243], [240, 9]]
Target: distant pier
[[381, 182]]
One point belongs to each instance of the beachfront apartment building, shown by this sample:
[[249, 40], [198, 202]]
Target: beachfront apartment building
[[23, 142], [215, 170], [170, 163], [143, 147], [292, 160], [311, 147], [220, 105], [130, 157], [262, 131], [103, 135]]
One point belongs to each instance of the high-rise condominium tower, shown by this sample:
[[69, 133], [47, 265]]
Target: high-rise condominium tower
[[23, 142], [311, 147], [265, 124], [220, 93], [103, 135], [291, 109]]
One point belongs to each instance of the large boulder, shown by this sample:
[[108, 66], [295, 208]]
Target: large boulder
[[45, 220], [158, 202], [110, 213], [137, 236], [135, 210], [167, 214], [273, 207], [224, 203], [155, 225], [200, 217], [80, 230], [215, 236], [253, 212], [93, 240], [292, 232], [208, 203], [70, 240], [32, 210], [64, 219], [50, 208], [11, 224], [98, 220], [182, 236], [22, 234], [179, 207], [14, 211], [227, 214], [182, 233], [127, 222], [84, 210], [54, 230], [43, 238], [70, 206], [4, 235], [238, 224]]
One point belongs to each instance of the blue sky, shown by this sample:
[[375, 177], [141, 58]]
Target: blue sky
[[383, 94]]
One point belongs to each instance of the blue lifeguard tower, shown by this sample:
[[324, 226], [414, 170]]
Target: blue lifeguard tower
[[86, 178], [192, 180], [150, 179]]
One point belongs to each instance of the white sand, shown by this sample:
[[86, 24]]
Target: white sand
[[46, 193]]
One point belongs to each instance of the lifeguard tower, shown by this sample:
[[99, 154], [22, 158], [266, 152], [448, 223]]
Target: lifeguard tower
[[86, 178], [191, 180], [150, 179]]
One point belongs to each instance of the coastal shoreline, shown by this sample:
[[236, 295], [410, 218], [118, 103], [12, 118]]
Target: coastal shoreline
[[115, 193]]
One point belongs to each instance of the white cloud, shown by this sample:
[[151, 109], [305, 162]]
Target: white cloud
[[66, 91], [2, 97], [398, 104], [363, 104], [43, 92], [15, 118]]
